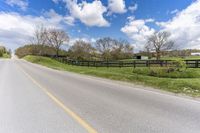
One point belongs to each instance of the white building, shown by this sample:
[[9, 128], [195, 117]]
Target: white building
[[195, 54]]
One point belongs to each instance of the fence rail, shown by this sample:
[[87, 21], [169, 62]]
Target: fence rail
[[134, 63]]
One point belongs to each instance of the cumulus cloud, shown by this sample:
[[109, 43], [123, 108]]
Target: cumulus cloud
[[185, 26], [117, 6], [23, 4], [138, 31], [18, 29], [91, 14]]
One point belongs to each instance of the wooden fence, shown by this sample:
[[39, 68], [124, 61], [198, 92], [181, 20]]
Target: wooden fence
[[134, 63]]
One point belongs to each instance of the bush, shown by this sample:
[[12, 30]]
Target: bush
[[179, 65]]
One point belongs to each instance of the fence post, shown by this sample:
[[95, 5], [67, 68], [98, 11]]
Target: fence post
[[134, 65], [147, 63], [161, 63], [197, 64], [120, 64]]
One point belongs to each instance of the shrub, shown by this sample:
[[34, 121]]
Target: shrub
[[179, 65]]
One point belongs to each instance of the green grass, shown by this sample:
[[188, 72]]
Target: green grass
[[163, 73], [185, 58], [170, 58], [187, 82]]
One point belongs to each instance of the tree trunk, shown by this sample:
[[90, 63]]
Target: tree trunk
[[158, 55], [57, 52]]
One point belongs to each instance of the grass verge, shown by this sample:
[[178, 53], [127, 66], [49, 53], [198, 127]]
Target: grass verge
[[185, 85]]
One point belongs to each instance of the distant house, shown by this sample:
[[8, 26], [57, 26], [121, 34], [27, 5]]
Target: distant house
[[140, 57], [195, 54]]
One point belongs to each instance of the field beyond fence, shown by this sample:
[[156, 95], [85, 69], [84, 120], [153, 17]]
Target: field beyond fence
[[134, 63]]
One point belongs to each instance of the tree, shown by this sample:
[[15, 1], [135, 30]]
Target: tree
[[36, 50], [159, 42], [81, 50], [40, 35], [127, 49], [39, 38], [104, 46], [56, 38], [2, 50], [112, 49], [121, 50]]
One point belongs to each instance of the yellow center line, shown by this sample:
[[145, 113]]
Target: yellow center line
[[60, 104]]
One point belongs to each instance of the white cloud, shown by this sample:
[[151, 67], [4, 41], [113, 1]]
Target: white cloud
[[91, 14], [138, 31], [117, 6], [185, 26], [17, 30], [69, 20], [23, 4], [174, 11], [56, 1], [133, 8], [150, 20]]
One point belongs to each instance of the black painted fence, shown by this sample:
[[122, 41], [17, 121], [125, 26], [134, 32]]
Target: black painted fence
[[134, 63]]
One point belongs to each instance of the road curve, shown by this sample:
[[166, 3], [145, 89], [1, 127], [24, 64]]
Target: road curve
[[105, 105]]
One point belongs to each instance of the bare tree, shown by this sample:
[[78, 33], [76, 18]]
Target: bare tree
[[110, 48], [104, 47], [39, 37], [159, 42], [121, 50], [56, 38]]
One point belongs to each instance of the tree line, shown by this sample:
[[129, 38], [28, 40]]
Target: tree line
[[38, 50], [49, 42]]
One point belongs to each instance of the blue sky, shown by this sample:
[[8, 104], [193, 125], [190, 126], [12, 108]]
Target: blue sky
[[133, 20]]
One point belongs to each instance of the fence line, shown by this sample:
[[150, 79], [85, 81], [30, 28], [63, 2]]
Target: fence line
[[134, 63]]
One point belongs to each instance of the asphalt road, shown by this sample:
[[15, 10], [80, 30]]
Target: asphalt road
[[35, 99]]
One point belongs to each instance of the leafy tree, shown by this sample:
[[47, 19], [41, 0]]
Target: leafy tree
[[81, 50], [3, 51], [36, 50]]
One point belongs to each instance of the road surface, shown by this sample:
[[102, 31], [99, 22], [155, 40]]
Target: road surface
[[35, 99]]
